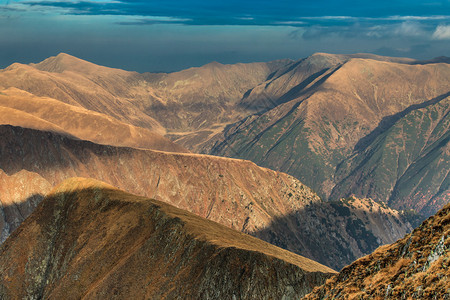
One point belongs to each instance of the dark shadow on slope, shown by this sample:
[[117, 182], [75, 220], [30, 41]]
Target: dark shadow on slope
[[298, 89], [262, 105], [89, 233], [295, 92], [389, 121], [41, 151], [11, 216], [332, 233], [328, 232]]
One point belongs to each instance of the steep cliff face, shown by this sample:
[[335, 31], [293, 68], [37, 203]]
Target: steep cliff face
[[235, 193], [415, 267], [89, 240]]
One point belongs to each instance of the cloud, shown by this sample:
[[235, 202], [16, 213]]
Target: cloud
[[442, 32], [409, 29], [155, 20], [252, 12], [417, 18], [406, 51], [406, 30]]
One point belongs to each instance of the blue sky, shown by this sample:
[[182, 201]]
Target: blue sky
[[172, 35]]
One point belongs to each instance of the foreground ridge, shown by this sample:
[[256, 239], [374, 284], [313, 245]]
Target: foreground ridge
[[415, 267], [89, 240]]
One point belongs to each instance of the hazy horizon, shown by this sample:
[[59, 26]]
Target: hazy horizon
[[156, 36]]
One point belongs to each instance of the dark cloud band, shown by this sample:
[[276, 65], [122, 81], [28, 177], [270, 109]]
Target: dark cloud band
[[252, 12]]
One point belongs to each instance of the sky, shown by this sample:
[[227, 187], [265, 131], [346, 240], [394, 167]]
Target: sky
[[170, 35]]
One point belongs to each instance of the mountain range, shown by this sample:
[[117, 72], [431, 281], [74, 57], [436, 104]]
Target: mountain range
[[329, 157], [364, 125]]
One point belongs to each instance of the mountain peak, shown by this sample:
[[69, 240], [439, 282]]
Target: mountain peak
[[213, 64], [66, 62]]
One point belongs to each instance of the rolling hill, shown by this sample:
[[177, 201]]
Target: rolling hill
[[189, 106], [20, 108]]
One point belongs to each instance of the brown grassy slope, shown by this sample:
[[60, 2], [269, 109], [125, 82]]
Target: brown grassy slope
[[192, 104], [90, 240], [20, 108], [415, 267], [197, 103], [291, 81], [319, 129], [80, 83], [235, 193]]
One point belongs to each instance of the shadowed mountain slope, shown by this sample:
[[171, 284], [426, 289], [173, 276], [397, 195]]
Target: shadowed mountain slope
[[89, 240], [327, 117], [235, 193], [415, 267], [355, 227]]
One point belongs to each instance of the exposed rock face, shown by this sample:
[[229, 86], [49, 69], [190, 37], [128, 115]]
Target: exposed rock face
[[90, 240], [415, 267], [360, 126], [235, 193]]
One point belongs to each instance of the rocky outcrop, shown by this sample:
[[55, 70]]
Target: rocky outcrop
[[90, 240], [415, 267]]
